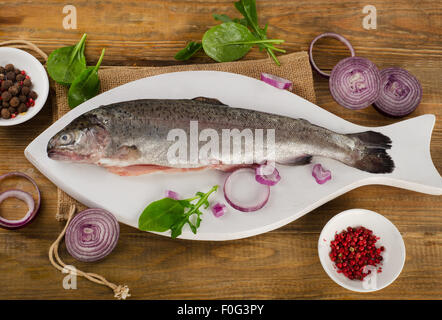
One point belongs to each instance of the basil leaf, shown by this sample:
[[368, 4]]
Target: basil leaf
[[216, 41], [85, 86], [67, 63], [161, 215], [190, 49]]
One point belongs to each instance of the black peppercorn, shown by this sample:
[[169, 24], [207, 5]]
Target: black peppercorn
[[22, 98], [5, 104], [12, 110]]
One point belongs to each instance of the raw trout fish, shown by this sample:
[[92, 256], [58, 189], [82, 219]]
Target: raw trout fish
[[131, 138]]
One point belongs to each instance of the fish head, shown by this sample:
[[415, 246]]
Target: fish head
[[83, 140]]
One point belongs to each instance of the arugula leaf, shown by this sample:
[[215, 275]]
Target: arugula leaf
[[191, 48], [167, 213]]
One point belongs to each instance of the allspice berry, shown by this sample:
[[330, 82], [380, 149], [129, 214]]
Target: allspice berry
[[12, 110], [27, 82], [13, 90], [33, 95], [22, 98], [9, 67], [5, 104], [10, 75], [14, 102], [25, 90], [20, 77], [6, 96], [22, 108], [5, 113]]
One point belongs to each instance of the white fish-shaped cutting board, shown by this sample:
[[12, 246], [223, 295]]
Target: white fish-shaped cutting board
[[295, 195]]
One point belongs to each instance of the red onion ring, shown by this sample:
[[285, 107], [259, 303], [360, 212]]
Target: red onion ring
[[246, 175], [268, 179], [400, 94], [355, 83], [21, 195], [92, 235], [331, 35]]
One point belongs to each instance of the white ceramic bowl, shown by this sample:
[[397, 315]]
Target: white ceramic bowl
[[390, 238], [25, 61]]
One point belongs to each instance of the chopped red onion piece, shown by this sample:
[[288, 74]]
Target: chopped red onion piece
[[267, 174], [24, 196], [219, 209], [172, 194], [400, 93], [320, 174], [332, 35], [355, 83], [92, 235], [276, 81], [242, 191]]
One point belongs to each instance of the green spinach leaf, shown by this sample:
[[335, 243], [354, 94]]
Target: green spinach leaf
[[216, 41], [67, 63], [190, 49], [86, 85], [225, 18]]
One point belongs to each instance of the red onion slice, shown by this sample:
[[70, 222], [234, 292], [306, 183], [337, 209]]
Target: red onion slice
[[21, 195], [276, 81], [400, 93], [172, 194], [331, 35], [242, 191], [263, 176], [92, 235], [355, 83], [320, 174], [219, 210]]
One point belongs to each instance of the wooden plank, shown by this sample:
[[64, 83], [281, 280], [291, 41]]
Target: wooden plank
[[282, 264]]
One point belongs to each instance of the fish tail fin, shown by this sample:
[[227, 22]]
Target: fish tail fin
[[373, 156]]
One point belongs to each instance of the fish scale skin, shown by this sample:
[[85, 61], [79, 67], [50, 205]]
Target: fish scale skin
[[144, 124]]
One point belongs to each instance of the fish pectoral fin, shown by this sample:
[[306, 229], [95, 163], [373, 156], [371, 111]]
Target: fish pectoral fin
[[127, 153], [298, 161], [209, 100]]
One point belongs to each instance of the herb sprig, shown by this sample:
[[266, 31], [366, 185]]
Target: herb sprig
[[170, 214]]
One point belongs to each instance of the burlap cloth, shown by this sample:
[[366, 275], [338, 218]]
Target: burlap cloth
[[294, 66]]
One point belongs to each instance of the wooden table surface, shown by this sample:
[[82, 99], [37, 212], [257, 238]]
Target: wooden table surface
[[282, 264]]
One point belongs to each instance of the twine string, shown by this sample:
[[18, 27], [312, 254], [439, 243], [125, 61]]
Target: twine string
[[121, 292]]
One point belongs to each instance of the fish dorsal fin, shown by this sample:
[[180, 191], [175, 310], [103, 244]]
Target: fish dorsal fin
[[209, 100]]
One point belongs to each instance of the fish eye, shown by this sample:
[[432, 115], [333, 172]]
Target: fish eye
[[66, 139]]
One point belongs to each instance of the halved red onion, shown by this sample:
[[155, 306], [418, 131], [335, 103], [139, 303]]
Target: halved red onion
[[276, 81], [355, 83], [400, 93], [92, 235], [267, 174], [331, 35], [219, 209], [242, 191], [33, 206], [172, 194], [320, 174]]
